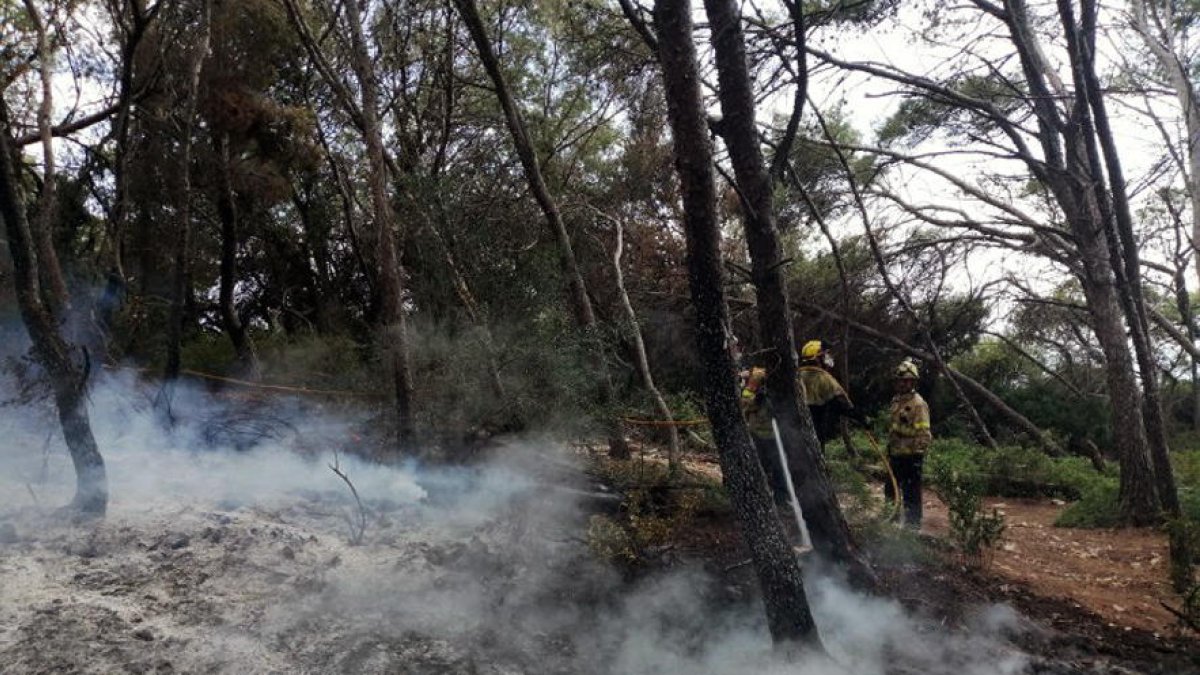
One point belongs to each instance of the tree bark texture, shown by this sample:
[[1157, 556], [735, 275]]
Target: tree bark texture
[[67, 380], [788, 614], [830, 533], [392, 320], [581, 304]]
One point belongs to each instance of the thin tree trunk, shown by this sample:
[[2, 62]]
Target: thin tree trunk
[[53, 284], [584, 315], [67, 380], [226, 204], [392, 319], [183, 198], [639, 351], [474, 313], [830, 533], [788, 614], [139, 21]]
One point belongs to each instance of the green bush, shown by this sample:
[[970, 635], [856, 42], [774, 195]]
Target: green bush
[[1187, 467], [1098, 507], [1017, 471], [975, 533]]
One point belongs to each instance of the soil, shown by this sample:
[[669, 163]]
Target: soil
[[1119, 574]]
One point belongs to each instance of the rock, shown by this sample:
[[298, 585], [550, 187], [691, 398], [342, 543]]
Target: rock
[[288, 553], [144, 634], [176, 541], [8, 533]]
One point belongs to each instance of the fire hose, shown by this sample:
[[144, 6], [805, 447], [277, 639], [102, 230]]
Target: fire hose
[[887, 465]]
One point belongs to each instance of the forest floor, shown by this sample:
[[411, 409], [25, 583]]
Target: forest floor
[[1095, 595]]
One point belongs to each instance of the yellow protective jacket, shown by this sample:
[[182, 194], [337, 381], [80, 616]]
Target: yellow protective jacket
[[754, 403], [826, 399], [909, 431]]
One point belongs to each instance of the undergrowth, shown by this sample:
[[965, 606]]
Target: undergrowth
[[654, 508]]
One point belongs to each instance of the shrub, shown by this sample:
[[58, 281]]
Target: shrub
[[975, 534], [1097, 507]]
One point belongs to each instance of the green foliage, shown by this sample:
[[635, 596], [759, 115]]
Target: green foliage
[[852, 477], [1012, 471], [975, 534], [1098, 507], [1184, 535]]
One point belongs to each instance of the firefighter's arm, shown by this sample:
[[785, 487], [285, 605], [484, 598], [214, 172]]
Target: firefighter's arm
[[921, 426]]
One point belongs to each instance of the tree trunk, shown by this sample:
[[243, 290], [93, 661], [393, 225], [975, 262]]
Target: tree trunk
[[830, 533], [639, 352], [585, 317], [1082, 39], [1071, 173], [183, 199], [392, 320], [1138, 491], [66, 379], [788, 614], [228, 215], [53, 284]]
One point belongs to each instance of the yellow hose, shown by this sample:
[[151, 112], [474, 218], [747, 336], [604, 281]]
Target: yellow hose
[[896, 497]]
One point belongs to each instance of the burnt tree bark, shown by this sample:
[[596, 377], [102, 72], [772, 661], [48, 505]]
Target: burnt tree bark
[[581, 304], [392, 320], [67, 379], [788, 614], [830, 533]]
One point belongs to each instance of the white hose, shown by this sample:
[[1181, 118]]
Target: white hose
[[787, 477]]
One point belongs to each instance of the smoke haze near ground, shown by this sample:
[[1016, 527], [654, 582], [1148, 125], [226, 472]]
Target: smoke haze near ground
[[215, 559]]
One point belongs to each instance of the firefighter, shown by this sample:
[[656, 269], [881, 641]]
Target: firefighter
[[908, 440], [826, 399], [758, 420]]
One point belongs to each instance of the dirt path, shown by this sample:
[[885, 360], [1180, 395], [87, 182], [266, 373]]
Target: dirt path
[[1119, 574]]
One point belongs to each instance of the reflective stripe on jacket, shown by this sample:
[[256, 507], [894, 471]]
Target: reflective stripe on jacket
[[909, 432]]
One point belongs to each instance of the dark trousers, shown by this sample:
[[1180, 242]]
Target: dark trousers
[[768, 456], [907, 469]]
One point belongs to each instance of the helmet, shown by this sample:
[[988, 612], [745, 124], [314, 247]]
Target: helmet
[[811, 349], [907, 370]]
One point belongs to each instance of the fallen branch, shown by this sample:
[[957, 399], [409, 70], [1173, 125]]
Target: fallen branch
[[356, 529]]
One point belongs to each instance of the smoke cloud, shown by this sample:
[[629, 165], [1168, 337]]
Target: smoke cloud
[[225, 555]]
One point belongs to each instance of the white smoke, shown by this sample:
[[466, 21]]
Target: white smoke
[[238, 561]]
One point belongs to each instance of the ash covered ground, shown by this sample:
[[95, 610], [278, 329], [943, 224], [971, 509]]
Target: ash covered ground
[[221, 560]]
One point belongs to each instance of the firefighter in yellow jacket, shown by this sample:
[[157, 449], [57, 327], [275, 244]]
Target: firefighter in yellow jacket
[[827, 401], [758, 419], [908, 440]]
